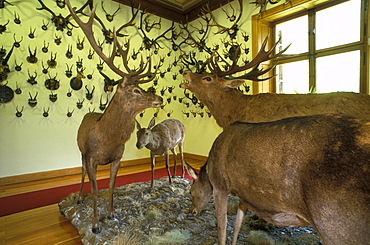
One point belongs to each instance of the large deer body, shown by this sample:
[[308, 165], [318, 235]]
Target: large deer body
[[160, 139], [101, 137], [292, 172], [227, 104]]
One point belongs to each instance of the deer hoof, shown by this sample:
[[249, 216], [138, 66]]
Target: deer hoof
[[112, 217], [96, 230], [80, 202]]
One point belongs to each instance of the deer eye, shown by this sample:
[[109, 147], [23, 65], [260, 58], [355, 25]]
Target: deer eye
[[208, 79], [137, 91]]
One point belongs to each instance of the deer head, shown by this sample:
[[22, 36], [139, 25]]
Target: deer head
[[201, 190], [204, 84], [144, 135], [128, 84]]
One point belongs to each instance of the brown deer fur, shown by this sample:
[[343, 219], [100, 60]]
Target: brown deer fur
[[292, 172], [160, 139], [227, 104], [101, 137]]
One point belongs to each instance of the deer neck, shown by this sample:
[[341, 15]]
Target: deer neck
[[154, 142], [224, 105], [118, 119]]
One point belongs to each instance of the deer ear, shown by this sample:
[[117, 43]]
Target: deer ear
[[234, 83], [137, 125], [152, 122], [191, 171]]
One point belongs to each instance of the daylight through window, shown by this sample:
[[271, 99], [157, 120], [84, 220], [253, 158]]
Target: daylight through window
[[325, 50]]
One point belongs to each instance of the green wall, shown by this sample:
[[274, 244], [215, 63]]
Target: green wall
[[33, 143]]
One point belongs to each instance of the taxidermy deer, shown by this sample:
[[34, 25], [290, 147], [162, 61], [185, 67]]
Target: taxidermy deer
[[101, 136], [310, 170], [160, 139], [227, 104]]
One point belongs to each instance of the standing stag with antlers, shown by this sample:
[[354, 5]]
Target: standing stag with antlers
[[101, 137], [218, 91]]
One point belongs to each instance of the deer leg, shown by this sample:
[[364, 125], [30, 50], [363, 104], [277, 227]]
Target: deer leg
[[81, 193], [174, 161], [182, 160], [238, 221], [152, 159], [167, 156], [91, 172], [112, 181], [220, 200]]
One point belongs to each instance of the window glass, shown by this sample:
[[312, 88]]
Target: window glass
[[293, 78], [340, 72], [294, 32], [338, 25]]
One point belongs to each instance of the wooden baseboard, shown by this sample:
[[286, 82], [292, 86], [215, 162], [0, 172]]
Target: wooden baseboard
[[73, 171]]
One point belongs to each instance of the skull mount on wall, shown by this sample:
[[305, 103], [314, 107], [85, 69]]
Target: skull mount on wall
[[59, 21], [52, 83], [32, 101]]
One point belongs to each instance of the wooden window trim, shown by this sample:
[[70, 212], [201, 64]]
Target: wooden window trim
[[262, 25]]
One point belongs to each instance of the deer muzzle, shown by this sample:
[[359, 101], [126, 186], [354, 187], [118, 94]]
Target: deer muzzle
[[184, 85], [139, 146], [158, 102]]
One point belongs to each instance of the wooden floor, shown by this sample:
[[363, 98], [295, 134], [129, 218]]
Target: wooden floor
[[45, 225]]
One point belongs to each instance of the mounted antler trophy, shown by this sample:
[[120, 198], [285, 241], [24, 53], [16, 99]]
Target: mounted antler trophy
[[101, 136], [6, 93], [3, 27], [32, 101], [32, 79], [59, 21], [76, 82], [4, 67], [32, 57]]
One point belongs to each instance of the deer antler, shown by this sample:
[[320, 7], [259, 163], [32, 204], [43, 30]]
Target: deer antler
[[262, 56], [134, 76], [130, 22], [231, 31]]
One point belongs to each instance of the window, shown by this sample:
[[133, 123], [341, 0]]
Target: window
[[328, 49]]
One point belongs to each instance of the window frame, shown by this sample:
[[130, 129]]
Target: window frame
[[263, 25]]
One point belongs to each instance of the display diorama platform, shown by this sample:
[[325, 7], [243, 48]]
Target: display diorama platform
[[161, 216]]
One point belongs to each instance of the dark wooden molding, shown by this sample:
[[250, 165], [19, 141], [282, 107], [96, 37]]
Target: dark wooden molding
[[171, 13]]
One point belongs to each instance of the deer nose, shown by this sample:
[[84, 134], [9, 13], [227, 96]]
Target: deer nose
[[194, 212]]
